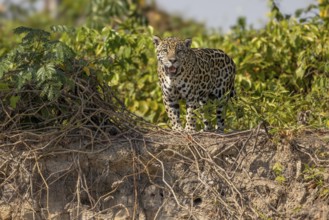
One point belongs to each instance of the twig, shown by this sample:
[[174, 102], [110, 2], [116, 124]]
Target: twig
[[164, 180]]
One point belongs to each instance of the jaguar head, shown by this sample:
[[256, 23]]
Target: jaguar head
[[171, 52]]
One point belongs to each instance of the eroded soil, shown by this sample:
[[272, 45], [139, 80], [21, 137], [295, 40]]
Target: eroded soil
[[157, 174]]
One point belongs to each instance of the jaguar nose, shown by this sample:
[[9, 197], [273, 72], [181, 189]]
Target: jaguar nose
[[172, 60]]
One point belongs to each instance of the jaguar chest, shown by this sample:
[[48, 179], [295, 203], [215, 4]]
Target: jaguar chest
[[186, 85]]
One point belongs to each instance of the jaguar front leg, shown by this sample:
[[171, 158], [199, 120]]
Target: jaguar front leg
[[191, 106], [205, 112], [220, 113], [172, 109]]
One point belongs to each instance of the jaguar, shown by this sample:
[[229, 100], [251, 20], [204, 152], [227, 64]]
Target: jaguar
[[195, 75]]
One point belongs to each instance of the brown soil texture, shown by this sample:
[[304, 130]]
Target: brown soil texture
[[158, 174]]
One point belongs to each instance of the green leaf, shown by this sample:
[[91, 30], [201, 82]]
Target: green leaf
[[4, 86], [300, 72], [4, 67], [278, 168], [32, 34], [280, 179], [46, 72], [13, 101], [63, 52], [22, 29], [62, 29]]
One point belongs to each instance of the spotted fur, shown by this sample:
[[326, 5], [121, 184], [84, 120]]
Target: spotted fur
[[193, 74]]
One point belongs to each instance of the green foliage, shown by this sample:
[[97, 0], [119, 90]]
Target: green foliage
[[34, 61], [278, 171], [314, 177], [126, 61], [282, 69], [116, 58], [313, 174], [103, 12]]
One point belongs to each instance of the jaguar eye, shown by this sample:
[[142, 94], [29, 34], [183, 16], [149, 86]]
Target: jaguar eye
[[165, 50]]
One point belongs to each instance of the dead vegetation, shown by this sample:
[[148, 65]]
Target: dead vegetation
[[83, 156]]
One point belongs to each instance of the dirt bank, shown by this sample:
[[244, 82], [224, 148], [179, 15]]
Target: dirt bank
[[155, 174]]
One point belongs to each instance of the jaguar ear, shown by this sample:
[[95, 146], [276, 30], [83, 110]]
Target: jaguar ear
[[156, 40], [188, 42]]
